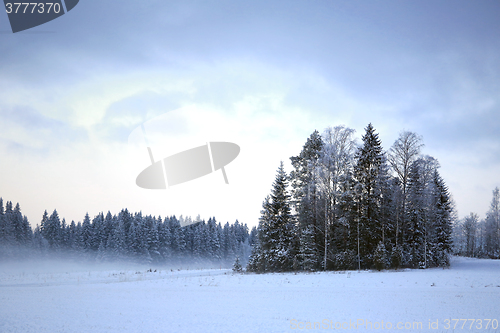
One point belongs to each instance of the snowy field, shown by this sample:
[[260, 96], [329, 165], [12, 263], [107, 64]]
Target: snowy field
[[71, 299]]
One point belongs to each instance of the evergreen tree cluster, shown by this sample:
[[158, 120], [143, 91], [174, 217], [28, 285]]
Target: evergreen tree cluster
[[479, 238], [15, 231], [126, 236], [355, 206]]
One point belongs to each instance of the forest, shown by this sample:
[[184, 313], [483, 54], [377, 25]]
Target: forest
[[355, 206], [343, 206], [123, 237]]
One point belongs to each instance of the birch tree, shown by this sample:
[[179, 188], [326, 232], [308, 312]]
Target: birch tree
[[404, 151]]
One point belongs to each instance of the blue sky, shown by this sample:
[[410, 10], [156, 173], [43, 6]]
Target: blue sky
[[261, 74]]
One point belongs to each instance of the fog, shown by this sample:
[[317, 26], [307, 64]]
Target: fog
[[56, 266]]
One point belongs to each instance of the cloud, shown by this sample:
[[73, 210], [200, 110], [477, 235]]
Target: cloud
[[26, 130]]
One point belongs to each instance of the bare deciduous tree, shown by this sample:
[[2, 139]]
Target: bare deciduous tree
[[335, 162], [404, 151]]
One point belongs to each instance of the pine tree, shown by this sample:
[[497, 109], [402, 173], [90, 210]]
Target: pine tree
[[279, 224], [380, 257], [252, 238], [256, 262], [118, 241], [369, 159], [493, 227], [152, 238], [179, 242], [40, 244], [27, 232], [17, 225], [275, 231], [237, 265], [414, 254], [9, 228], [308, 253], [3, 232], [99, 232], [164, 239], [87, 236], [101, 252], [303, 179], [213, 240], [74, 240], [443, 223], [2, 223], [50, 228]]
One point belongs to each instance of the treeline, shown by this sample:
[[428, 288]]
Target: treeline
[[126, 236], [349, 206], [480, 238]]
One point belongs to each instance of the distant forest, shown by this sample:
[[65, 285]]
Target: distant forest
[[349, 206], [480, 238], [124, 237]]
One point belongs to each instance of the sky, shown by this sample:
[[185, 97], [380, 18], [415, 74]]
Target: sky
[[261, 74]]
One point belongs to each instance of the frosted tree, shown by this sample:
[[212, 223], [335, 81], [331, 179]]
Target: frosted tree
[[493, 226], [9, 228], [101, 253], [50, 229], [74, 238], [4, 233], [252, 238], [199, 247], [281, 223], [2, 222], [308, 253], [415, 228], [305, 198], [151, 241], [98, 232], [380, 257], [237, 265], [164, 239], [369, 159], [470, 229], [40, 244], [116, 243], [404, 151], [179, 242], [87, 235], [16, 220], [108, 226], [214, 240], [335, 170], [275, 231]]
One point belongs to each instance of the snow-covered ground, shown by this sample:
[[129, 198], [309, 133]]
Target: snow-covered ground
[[70, 299]]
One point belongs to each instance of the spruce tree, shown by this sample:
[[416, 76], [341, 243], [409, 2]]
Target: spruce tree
[[281, 226], [237, 265], [275, 231], [369, 159], [443, 223], [308, 252], [415, 229], [303, 178], [492, 246]]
